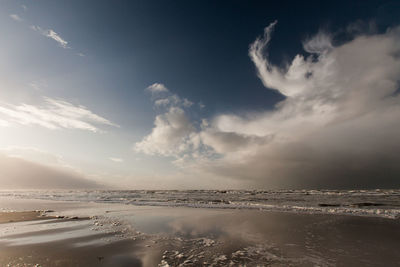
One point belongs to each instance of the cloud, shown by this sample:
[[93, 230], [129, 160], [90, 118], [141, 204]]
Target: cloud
[[52, 35], [48, 33], [173, 130], [38, 85], [170, 135], [157, 88], [18, 173], [337, 127], [318, 44], [187, 103], [163, 97], [54, 114], [16, 17], [116, 159]]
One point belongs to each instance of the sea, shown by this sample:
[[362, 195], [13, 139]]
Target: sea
[[373, 203]]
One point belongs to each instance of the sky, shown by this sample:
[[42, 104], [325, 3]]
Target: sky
[[199, 94]]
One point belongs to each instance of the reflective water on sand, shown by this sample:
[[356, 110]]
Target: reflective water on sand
[[232, 237]]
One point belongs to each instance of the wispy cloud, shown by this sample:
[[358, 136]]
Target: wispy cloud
[[54, 114], [16, 17], [38, 84], [48, 33], [118, 160], [52, 35]]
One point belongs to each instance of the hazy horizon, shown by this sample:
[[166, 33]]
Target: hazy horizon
[[180, 95]]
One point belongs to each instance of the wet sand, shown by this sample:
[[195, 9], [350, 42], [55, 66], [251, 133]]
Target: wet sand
[[7, 217], [62, 253], [163, 236], [33, 240]]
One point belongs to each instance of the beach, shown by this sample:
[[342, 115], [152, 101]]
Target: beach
[[199, 133], [64, 233]]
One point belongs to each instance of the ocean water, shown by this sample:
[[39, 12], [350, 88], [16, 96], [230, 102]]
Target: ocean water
[[374, 203]]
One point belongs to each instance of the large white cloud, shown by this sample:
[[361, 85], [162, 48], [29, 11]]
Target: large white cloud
[[338, 125], [169, 136], [173, 130]]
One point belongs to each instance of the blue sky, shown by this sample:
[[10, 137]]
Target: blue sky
[[170, 94]]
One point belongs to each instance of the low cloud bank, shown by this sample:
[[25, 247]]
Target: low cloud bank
[[18, 173]]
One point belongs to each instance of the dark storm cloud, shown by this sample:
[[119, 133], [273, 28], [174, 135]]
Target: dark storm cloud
[[337, 127], [339, 124]]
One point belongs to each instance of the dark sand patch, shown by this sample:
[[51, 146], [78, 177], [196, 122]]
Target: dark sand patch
[[6, 217]]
